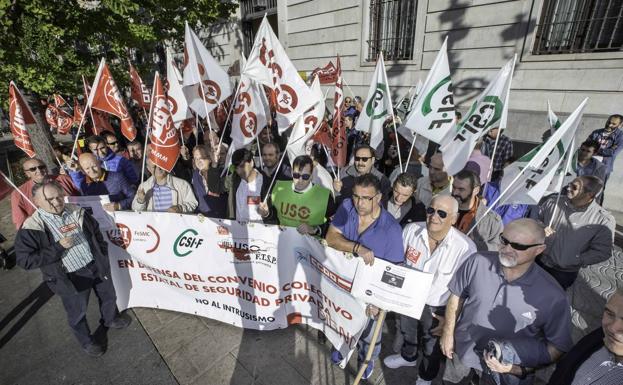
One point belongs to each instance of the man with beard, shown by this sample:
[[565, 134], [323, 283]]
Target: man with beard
[[364, 164], [465, 189], [437, 182], [581, 232], [504, 299]]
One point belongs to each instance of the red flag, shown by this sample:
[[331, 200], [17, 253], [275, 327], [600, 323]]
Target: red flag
[[100, 119], [140, 93], [187, 127], [106, 97], [324, 135], [77, 111], [326, 75], [59, 101], [339, 144], [65, 121], [165, 144], [51, 116], [21, 119]]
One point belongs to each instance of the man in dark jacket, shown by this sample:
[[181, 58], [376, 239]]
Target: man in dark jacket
[[247, 188], [65, 242], [401, 204]]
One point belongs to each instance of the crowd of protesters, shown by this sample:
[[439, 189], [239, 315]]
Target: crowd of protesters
[[497, 309]]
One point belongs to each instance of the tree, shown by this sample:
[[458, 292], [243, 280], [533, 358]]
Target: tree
[[46, 45]]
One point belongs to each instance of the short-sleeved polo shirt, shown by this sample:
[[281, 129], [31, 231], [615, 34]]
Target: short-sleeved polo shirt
[[531, 308], [383, 236]]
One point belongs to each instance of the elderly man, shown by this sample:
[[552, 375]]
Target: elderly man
[[65, 243], [164, 192], [438, 248], [465, 189], [401, 204], [505, 315], [37, 172], [247, 188], [299, 203], [270, 160], [437, 182], [135, 154], [94, 180], [581, 232], [364, 164], [363, 227], [597, 359], [111, 161]]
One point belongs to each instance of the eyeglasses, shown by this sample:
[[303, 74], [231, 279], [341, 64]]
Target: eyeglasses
[[362, 158], [431, 210], [367, 199], [112, 143], [515, 245], [40, 168], [296, 175]]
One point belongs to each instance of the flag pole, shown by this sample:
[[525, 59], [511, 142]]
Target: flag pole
[[233, 103], [410, 152], [352, 94], [490, 171], [272, 182], [148, 131], [375, 335], [88, 105], [328, 157], [259, 149], [205, 104], [18, 190]]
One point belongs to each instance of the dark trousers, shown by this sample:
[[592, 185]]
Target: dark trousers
[[76, 305], [418, 339], [564, 278]]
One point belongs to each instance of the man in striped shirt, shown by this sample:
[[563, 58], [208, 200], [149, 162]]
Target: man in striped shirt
[[65, 243]]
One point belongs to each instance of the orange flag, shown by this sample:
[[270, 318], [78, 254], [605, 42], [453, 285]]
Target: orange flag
[[77, 111], [105, 96], [100, 119], [51, 116], [21, 119], [338, 147], [140, 93], [59, 101], [165, 144]]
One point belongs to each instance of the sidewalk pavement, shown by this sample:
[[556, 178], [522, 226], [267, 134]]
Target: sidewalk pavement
[[164, 347]]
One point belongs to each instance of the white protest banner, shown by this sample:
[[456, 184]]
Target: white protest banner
[[249, 275], [94, 205], [391, 287]]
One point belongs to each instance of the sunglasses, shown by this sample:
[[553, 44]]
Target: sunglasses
[[362, 158], [40, 168], [442, 214], [112, 143], [296, 175], [516, 246]]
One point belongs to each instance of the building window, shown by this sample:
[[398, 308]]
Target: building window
[[252, 12], [392, 29], [579, 26]]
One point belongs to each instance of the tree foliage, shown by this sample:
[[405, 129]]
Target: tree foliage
[[45, 45]]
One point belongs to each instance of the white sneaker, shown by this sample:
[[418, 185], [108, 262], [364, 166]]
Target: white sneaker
[[422, 382], [396, 361]]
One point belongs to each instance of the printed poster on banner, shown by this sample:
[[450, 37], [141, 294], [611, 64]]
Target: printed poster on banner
[[390, 287], [252, 276]]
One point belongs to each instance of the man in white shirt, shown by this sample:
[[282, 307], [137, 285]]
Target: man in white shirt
[[435, 247], [247, 188]]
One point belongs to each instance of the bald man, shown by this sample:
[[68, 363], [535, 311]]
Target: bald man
[[37, 172], [435, 247], [505, 298], [65, 243], [92, 179]]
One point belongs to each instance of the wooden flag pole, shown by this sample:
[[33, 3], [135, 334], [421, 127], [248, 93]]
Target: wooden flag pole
[[380, 319], [18, 190]]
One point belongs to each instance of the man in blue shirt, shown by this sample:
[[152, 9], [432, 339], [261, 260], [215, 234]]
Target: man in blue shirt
[[111, 161], [361, 226]]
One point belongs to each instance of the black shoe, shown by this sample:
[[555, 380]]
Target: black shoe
[[121, 322], [93, 349]]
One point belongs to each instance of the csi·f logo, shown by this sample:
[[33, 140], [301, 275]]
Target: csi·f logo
[[187, 242], [376, 101]]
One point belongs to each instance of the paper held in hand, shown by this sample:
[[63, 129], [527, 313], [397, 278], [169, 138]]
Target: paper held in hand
[[392, 288]]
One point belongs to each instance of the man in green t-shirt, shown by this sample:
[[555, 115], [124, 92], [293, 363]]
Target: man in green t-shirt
[[299, 203]]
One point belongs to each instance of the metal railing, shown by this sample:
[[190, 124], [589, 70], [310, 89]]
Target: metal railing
[[250, 7], [579, 26], [392, 29]]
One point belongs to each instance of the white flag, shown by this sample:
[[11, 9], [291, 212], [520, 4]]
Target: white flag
[[269, 64], [377, 107], [307, 124], [248, 114], [552, 119], [175, 95], [488, 111], [206, 84], [433, 112], [526, 180], [418, 89]]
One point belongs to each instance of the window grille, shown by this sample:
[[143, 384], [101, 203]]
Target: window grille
[[579, 26], [392, 29]]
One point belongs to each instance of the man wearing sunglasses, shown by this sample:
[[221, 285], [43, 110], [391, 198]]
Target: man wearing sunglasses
[[363, 165], [111, 161], [504, 296], [113, 144], [465, 189], [37, 172], [361, 226], [438, 248], [299, 203], [581, 232]]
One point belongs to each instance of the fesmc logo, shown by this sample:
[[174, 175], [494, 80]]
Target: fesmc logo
[[243, 250], [123, 236], [187, 242]]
